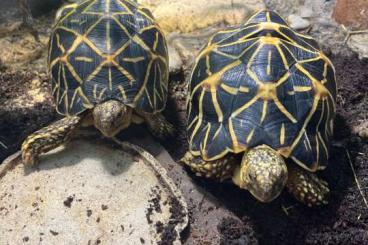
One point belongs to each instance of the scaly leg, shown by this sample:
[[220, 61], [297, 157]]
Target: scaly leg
[[159, 126], [48, 138], [307, 187], [220, 169]]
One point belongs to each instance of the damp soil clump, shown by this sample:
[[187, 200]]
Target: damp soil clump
[[154, 204], [235, 232], [168, 233]]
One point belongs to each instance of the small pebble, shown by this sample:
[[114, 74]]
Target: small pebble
[[298, 23]]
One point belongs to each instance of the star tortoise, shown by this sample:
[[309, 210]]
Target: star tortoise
[[108, 62], [261, 107]]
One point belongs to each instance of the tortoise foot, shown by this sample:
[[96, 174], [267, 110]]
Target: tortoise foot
[[159, 126], [307, 187], [29, 157], [48, 138], [220, 169]]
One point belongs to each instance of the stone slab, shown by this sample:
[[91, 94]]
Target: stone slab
[[90, 192]]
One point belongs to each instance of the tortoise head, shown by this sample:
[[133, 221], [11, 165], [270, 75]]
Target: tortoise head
[[111, 116], [263, 173]]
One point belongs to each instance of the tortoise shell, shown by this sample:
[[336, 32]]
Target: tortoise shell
[[107, 49], [262, 83]]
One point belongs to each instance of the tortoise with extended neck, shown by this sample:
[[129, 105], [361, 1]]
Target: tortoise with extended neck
[[260, 110], [109, 67]]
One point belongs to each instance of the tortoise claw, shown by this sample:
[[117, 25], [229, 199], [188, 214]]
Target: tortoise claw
[[28, 158]]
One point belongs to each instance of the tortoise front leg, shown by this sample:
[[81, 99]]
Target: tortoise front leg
[[219, 169], [307, 187], [48, 138], [158, 125]]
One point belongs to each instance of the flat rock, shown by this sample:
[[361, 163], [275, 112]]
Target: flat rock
[[91, 192], [189, 15]]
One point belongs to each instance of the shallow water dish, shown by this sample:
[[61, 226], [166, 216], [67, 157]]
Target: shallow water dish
[[91, 192]]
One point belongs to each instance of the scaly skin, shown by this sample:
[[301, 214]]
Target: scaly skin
[[110, 117], [307, 187], [158, 125], [263, 172], [48, 138], [220, 169]]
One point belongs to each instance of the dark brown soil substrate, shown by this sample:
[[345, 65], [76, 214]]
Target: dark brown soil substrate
[[18, 121]]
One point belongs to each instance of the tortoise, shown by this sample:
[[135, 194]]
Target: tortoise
[[261, 106], [108, 63]]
